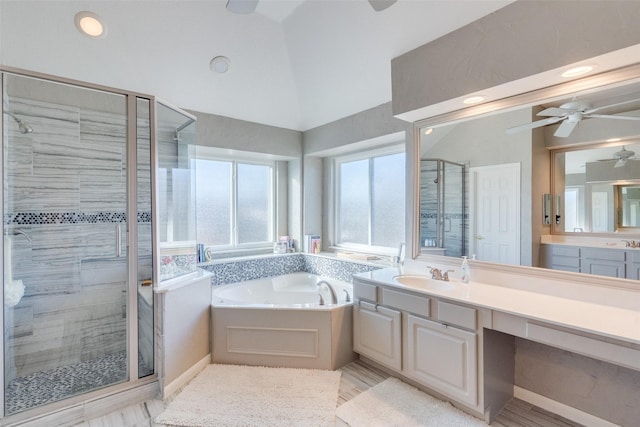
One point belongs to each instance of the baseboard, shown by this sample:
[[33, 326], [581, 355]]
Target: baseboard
[[187, 376], [561, 409]]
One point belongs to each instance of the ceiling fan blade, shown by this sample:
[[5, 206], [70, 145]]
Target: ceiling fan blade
[[242, 7], [593, 110], [565, 129], [612, 116], [379, 5], [536, 124], [553, 111]]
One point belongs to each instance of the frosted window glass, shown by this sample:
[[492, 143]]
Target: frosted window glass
[[254, 203], [353, 217], [213, 201], [388, 200]]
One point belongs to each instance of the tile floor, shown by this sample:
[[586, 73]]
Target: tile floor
[[356, 378]]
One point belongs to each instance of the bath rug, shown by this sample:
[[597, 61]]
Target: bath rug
[[394, 403], [231, 395]]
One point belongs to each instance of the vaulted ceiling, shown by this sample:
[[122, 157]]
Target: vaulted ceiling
[[295, 64]]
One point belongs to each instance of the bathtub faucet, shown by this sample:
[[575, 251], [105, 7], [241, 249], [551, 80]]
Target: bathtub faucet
[[334, 297]]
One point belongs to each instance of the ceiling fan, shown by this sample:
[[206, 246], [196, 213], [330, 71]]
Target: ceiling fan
[[621, 157], [570, 114]]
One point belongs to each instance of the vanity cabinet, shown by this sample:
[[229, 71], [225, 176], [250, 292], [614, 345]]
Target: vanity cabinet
[[633, 264], [443, 357], [561, 257], [604, 262], [426, 339], [377, 333], [591, 260]]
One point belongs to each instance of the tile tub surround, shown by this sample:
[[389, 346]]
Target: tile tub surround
[[225, 272]]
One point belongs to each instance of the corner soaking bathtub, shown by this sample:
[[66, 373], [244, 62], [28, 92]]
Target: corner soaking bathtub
[[279, 321]]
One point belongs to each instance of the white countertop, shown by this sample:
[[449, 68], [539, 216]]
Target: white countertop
[[600, 319], [585, 240]]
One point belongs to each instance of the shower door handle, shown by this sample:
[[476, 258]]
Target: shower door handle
[[118, 241]]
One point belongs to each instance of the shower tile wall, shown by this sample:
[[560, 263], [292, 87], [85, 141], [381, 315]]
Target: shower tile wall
[[66, 188], [428, 201], [454, 219]]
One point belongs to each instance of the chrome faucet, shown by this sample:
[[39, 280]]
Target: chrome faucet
[[334, 297], [631, 244]]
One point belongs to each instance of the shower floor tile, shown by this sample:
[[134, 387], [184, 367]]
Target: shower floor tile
[[49, 386]]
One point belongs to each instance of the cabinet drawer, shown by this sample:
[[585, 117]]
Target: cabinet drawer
[[565, 261], [569, 251], [415, 304], [603, 254], [365, 291], [453, 314]]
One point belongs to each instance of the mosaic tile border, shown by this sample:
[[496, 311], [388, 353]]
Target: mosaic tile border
[[276, 265], [432, 215], [47, 218]]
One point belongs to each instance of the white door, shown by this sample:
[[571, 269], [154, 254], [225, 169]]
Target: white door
[[495, 213], [599, 212]]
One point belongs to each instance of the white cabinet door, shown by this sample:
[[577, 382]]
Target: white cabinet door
[[376, 334], [444, 358]]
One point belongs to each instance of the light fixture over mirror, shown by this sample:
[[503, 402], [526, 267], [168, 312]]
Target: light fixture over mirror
[[481, 143]]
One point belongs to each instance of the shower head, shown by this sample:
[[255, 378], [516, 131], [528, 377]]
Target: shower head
[[24, 128]]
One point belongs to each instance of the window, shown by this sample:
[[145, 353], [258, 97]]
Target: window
[[370, 200], [234, 203]]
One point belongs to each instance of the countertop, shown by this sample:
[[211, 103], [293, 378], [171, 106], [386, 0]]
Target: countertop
[[584, 240], [600, 319]]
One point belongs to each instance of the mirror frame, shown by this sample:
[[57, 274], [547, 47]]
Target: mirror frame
[[606, 80], [558, 209]]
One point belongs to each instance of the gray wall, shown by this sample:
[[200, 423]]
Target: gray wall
[[520, 40], [226, 132]]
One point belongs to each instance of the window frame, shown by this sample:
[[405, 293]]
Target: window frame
[[235, 160], [369, 155]]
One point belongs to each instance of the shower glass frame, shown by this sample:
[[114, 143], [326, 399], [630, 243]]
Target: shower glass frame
[[132, 124]]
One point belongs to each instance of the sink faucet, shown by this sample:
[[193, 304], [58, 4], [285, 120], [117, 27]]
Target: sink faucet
[[437, 274], [334, 297], [631, 244]]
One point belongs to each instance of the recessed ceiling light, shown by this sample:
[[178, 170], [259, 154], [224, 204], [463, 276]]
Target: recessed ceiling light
[[219, 64], [577, 71], [90, 24], [473, 99], [428, 131], [613, 140]]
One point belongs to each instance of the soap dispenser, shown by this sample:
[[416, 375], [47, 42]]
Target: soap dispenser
[[465, 270]]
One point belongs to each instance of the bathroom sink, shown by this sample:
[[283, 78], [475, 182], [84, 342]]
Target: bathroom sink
[[422, 282]]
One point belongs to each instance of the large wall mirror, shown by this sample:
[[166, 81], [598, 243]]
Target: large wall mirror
[[495, 185]]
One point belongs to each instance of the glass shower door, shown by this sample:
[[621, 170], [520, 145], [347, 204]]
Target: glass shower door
[[65, 243], [453, 203]]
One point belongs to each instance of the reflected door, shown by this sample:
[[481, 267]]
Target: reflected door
[[495, 213]]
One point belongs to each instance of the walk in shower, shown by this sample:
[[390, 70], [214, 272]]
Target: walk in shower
[[443, 214], [78, 240]]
